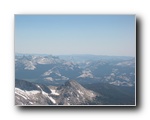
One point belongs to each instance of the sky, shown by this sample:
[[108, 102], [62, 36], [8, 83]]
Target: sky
[[76, 34]]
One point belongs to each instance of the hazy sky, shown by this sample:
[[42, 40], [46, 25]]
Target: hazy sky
[[75, 34]]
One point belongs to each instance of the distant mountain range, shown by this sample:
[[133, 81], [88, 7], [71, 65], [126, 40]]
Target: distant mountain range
[[56, 70], [74, 80]]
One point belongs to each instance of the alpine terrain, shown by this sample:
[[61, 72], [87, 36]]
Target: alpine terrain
[[71, 93], [74, 80]]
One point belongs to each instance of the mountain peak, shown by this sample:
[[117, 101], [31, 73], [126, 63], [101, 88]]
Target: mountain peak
[[71, 83], [72, 93]]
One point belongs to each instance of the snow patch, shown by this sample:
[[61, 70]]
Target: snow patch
[[31, 103], [52, 99], [54, 92], [80, 92], [85, 74], [29, 66], [47, 73], [32, 92], [21, 95], [48, 78]]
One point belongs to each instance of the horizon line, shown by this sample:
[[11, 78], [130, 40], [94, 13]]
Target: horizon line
[[73, 54]]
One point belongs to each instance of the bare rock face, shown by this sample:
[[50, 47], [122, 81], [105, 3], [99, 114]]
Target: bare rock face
[[71, 93], [28, 86]]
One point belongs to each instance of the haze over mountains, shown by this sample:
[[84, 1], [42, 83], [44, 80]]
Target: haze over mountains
[[74, 80]]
